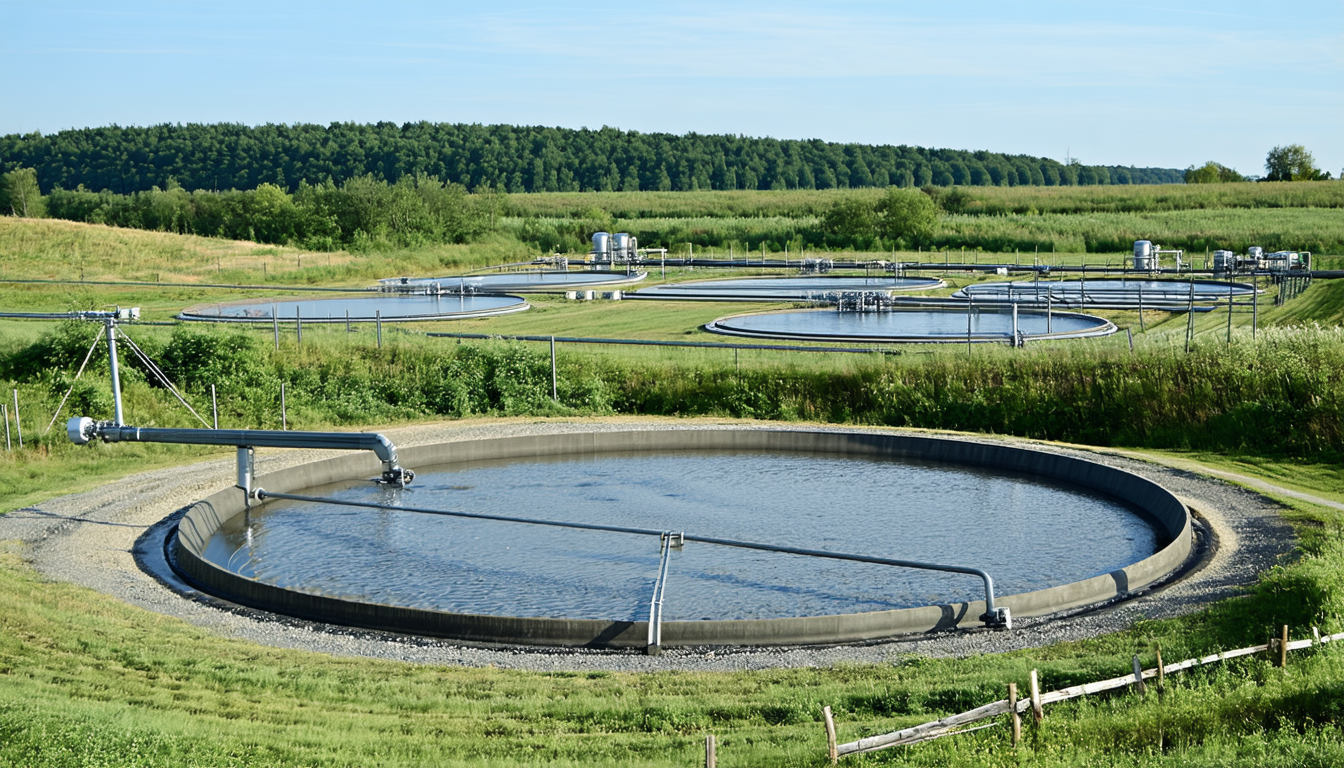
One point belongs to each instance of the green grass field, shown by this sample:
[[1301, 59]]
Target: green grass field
[[991, 200], [88, 681]]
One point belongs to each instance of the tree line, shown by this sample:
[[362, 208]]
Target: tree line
[[1288, 163], [517, 159], [358, 214]]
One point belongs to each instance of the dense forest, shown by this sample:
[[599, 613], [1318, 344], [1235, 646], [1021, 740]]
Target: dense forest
[[512, 159]]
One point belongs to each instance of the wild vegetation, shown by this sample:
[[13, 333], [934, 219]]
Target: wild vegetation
[[365, 215]]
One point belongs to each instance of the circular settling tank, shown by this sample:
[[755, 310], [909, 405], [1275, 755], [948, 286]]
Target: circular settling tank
[[1108, 293], [921, 325], [512, 282], [781, 288], [1093, 533], [358, 309]]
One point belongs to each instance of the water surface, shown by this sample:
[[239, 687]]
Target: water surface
[[1027, 533]]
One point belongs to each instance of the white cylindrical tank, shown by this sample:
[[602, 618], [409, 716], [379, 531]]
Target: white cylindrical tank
[[601, 245], [620, 245], [1143, 254]]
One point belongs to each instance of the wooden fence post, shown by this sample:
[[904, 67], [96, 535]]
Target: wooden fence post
[[711, 758], [1036, 712], [1012, 713], [1283, 647], [1161, 672], [831, 749], [1138, 676]]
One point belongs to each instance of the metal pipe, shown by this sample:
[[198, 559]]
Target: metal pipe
[[654, 643], [993, 616], [214, 406], [83, 429], [110, 324]]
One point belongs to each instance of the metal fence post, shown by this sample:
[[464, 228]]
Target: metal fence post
[[554, 392], [284, 419], [214, 406]]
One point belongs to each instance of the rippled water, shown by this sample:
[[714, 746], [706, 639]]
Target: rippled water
[[930, 323], [518, 281], [784, 288], [1108, 290], [361, 308], [1026, 533]]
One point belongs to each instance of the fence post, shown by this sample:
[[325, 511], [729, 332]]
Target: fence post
[[1283, 647], [1139, 685], [1161, 672], [1036, 711], [214, 406], [4, 412], [378, 321], [284, 419], [1012, 713], [18, 424], [832, 750], [275, 324], [711, 758], [554, 391]]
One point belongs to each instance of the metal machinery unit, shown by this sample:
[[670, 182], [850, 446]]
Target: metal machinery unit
[[1148, 257], [620, 248], [817, 266]]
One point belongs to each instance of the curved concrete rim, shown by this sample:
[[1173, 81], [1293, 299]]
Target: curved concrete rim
[[1103, 327], [203, 518], [607, 279], [192, 313]]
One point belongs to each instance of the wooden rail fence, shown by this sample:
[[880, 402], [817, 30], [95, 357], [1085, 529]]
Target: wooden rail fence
[[952, 725]]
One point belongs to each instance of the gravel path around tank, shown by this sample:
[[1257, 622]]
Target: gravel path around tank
[[89, 539]]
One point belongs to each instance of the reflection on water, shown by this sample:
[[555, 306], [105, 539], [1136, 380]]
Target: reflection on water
[[361, 308], [1026, 533], [933, 323]]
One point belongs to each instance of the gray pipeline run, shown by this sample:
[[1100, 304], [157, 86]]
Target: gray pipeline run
[[201, 520]]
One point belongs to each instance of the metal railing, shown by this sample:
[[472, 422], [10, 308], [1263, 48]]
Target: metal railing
[[994, 617]]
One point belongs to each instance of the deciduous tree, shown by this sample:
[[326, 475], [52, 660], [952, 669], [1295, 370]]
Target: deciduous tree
[[1291, 163]]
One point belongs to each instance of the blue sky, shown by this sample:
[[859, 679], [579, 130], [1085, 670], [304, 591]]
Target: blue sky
[[1153, 84]]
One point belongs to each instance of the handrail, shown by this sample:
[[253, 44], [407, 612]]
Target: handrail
[[994, 617]]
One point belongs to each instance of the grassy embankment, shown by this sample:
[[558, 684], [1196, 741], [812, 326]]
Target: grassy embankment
[[86, 680]]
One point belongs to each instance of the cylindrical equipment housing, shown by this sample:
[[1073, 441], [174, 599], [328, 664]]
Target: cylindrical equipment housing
[[1224, 262], [620, 245], [1143, 254], [601, 245]]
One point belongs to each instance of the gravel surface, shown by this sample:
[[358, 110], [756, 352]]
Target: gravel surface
[[92, 538]]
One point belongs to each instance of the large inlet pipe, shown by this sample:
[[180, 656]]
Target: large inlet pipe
[[998, 618], [82, 429]]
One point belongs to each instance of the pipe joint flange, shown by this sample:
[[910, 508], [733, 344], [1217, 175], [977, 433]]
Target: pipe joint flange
[[399, 476], [999, 618]]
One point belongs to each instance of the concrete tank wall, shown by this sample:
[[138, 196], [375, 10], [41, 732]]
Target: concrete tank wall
[[204, 518]]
